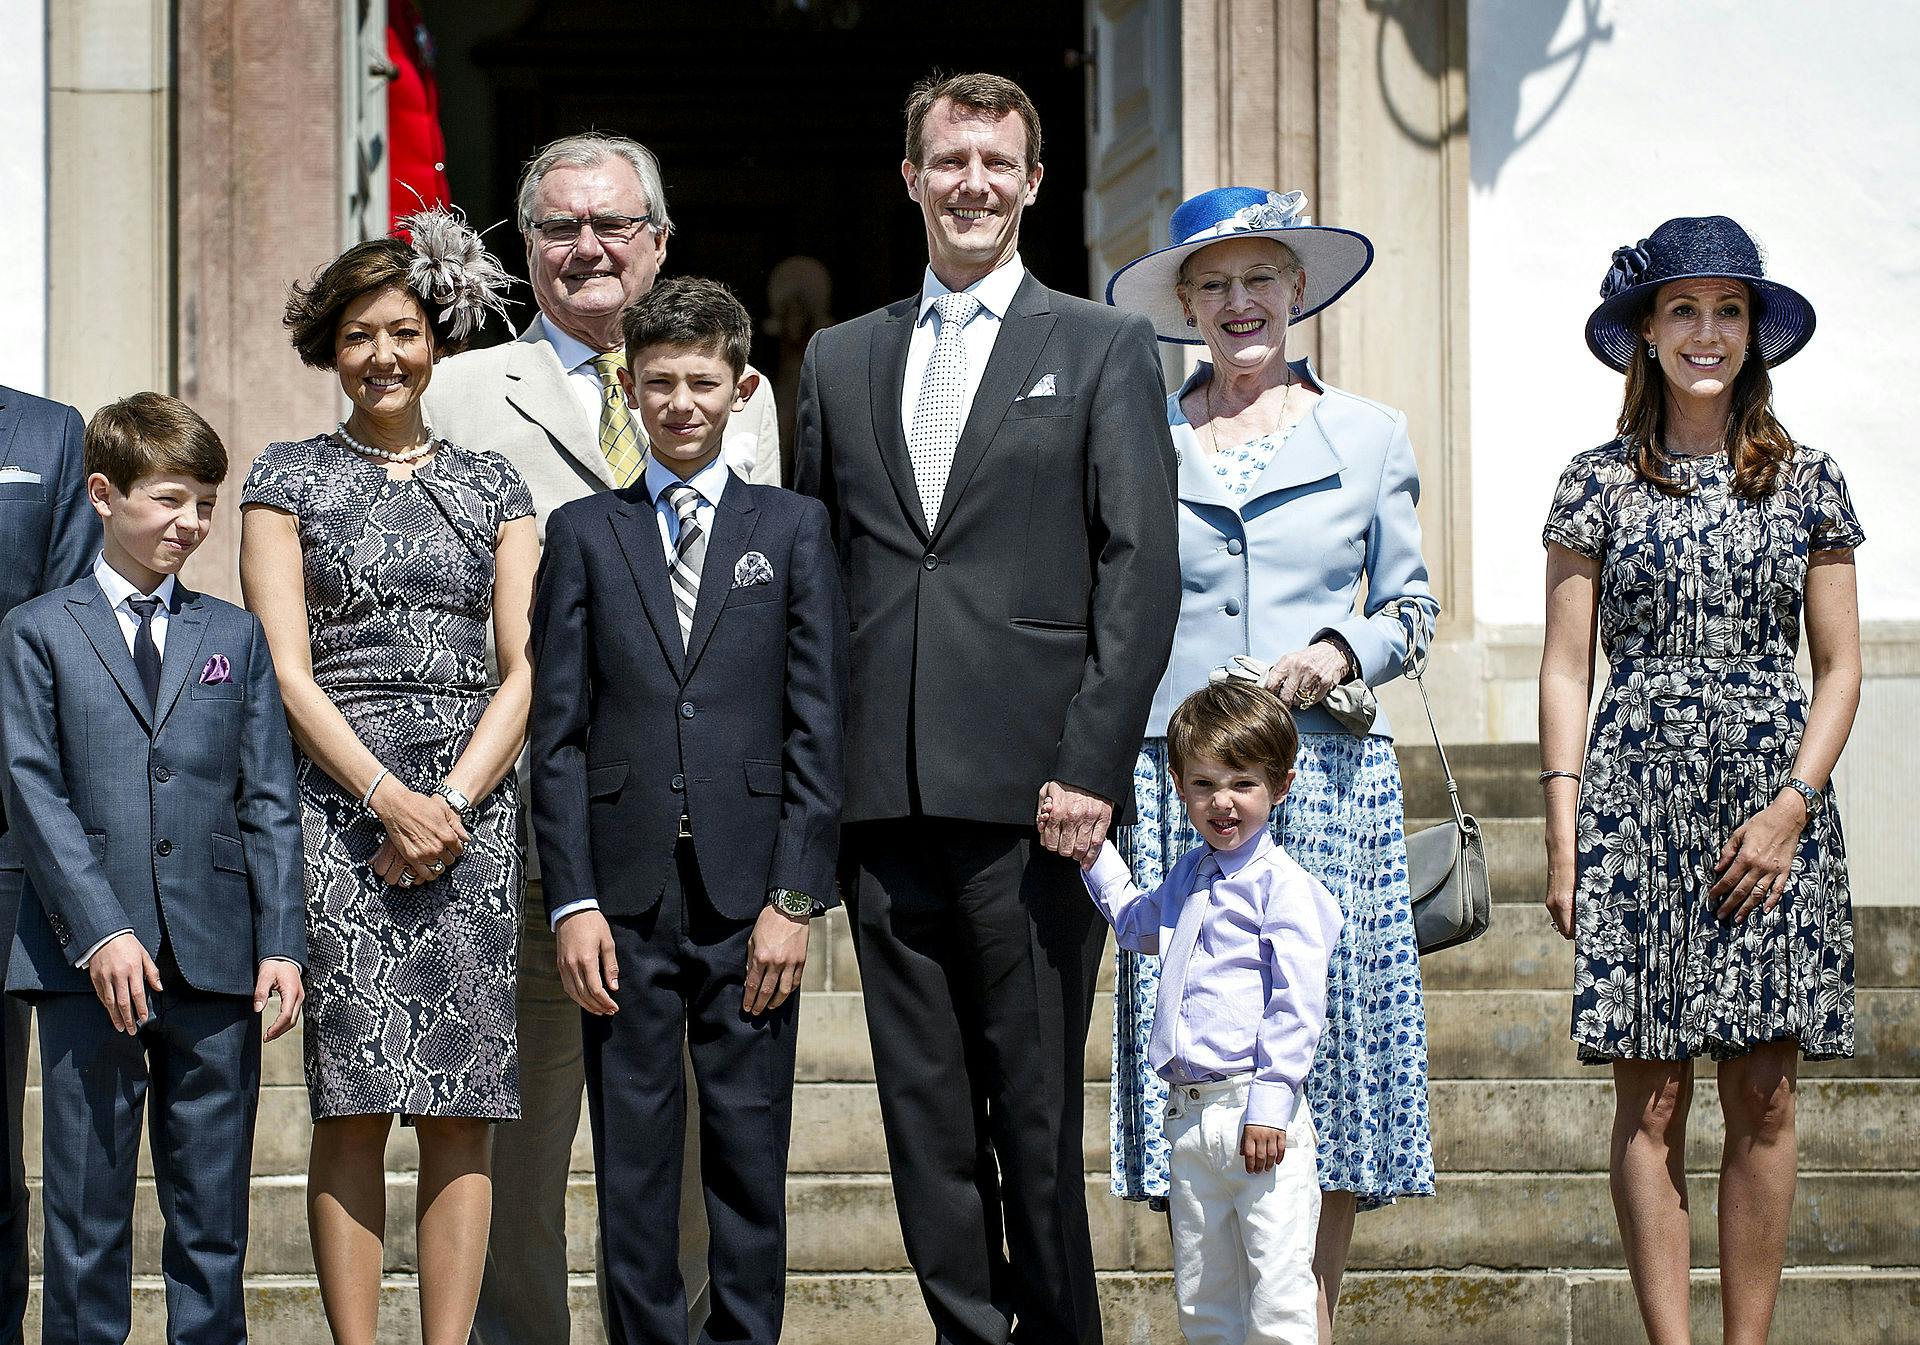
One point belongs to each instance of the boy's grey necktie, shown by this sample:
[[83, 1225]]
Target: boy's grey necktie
[[938, 411], [146, 654], [688, 553]]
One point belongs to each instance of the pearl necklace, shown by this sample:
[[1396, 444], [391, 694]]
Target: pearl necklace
[[387, 454]]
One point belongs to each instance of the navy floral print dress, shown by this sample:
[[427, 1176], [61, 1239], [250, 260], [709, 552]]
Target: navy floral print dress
[[1699, 615]]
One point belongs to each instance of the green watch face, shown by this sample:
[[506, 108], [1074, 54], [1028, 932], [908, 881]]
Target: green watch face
[[791, 902]]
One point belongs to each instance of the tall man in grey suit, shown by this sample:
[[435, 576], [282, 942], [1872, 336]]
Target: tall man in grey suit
[[995, 460], [594, 217], [48, 537]]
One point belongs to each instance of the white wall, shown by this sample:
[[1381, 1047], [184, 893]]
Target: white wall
[[1797, 119], [23, 194]]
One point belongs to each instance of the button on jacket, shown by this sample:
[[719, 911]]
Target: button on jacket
[[1266, 575]]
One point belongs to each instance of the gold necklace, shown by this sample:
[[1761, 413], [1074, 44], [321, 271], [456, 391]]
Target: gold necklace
[[1213, 434]]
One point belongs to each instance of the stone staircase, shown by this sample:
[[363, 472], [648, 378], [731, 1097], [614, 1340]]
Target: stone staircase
[[1519, 1246]]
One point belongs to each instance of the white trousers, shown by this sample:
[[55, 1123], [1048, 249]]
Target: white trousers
[[1242, 1245]]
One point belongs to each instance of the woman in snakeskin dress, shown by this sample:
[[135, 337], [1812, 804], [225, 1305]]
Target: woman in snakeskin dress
[[375, 557]]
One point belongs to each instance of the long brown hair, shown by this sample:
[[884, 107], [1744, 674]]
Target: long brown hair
[[1757, 444]]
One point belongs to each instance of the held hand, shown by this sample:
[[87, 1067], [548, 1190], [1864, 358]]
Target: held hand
[[1305, 676], [583, 951], [1559, 898], [121, 973], [1262, 1147], [1754, 863], [280, 978], [776, 955], [1072, 822], [422, 831]]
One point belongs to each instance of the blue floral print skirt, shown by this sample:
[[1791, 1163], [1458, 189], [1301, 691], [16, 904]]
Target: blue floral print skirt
[[1344, 822]]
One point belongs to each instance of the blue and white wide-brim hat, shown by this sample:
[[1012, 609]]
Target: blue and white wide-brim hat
[[1694, 248], [1332, 258]]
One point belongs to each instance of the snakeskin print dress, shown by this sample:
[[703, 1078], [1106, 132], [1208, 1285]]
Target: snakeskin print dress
[[410, 991]]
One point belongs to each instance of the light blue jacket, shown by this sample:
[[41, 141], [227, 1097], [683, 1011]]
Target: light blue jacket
[[1267, 576]]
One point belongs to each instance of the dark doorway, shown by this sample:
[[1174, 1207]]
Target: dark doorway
[[777, 122]]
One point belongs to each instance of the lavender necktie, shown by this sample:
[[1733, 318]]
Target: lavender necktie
[[1176, 960]]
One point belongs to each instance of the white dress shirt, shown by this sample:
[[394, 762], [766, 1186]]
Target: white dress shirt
[[995, 292], [120, 593], [710, 482], [576, 357]]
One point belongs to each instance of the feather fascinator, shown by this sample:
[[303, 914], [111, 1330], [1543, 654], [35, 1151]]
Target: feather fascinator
[[453, 269]]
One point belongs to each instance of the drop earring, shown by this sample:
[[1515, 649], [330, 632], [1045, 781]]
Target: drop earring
[[1652, 353], [1295, 310]]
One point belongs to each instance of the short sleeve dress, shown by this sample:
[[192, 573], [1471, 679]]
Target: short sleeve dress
[[410, 991], [1700, 607]]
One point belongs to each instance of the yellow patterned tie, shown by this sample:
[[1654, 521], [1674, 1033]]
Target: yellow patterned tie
[[621, 441]]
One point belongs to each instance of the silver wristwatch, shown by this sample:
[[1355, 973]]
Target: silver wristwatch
[[794, 905], [1814, 798], [457, 801]]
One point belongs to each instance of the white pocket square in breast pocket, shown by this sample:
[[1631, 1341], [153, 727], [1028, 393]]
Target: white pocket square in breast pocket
[[752, 568], [18, 475], [1044, 388]]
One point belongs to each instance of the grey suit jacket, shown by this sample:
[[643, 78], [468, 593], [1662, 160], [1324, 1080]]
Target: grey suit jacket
[[515, 400], [121, 815]]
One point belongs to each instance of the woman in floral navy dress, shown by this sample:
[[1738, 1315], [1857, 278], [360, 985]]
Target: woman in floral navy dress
[[1695, 857]]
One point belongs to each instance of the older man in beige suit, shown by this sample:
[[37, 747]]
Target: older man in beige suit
[[594, 216]]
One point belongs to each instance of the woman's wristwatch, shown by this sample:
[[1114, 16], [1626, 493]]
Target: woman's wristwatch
[[457, 801], [1813, 798]]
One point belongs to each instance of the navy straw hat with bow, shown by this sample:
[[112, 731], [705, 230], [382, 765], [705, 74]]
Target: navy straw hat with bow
[[1687, 249]]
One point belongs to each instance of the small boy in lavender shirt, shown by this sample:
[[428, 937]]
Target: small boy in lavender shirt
[[1243, 933]]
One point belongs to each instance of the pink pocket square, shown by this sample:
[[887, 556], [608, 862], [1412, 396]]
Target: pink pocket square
[[218, 670]]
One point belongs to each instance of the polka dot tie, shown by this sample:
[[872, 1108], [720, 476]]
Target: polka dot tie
[[937, 412], [621, 441], [688, 553]]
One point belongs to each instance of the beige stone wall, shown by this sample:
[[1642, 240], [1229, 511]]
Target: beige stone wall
[[260, 205], [109, 195]]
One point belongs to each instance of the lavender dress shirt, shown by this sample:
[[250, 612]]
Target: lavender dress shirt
[[1246, 934]]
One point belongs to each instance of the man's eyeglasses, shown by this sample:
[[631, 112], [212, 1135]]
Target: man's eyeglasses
[[564, 230]]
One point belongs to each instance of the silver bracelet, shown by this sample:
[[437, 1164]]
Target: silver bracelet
[[1558, 775], [366, 799]]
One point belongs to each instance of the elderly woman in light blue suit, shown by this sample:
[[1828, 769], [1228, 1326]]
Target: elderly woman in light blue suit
[[1292, 493]]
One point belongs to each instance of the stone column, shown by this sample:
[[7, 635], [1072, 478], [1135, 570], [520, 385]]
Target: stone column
[[260, 204], [109, 291]]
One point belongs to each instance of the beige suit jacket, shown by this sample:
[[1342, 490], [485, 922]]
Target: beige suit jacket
[[515, 400]]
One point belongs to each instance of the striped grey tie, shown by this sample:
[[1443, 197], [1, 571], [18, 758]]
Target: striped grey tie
[[688, 553], [937, 409]]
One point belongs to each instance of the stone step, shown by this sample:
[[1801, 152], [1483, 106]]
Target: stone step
[[1850, 1306], [1521, 950], [1506, 1221], [1495, 779], [1522, 1034], [1471, 1034]]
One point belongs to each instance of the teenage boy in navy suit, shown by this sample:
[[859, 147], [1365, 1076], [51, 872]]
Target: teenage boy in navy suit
[[689, 673], [154, 850]]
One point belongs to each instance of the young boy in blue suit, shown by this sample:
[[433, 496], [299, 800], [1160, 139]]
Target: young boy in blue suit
[[689, 645], [154, 855]]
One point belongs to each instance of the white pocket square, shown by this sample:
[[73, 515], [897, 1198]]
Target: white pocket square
[[1044, 388], [20, 474], [752, 568]]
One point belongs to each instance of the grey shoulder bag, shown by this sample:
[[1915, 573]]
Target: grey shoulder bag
[[1446, 864]]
